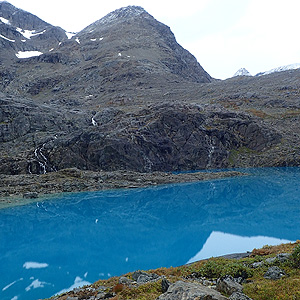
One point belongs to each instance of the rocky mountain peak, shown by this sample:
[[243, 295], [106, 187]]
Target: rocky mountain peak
[[123, 13], [118, 16], [19, 18]]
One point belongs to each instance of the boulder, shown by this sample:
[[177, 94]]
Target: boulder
[[257, 264], [228, 285], [283, 257], [31, 195], [143, 277], [274, 273], [190, 291], [239, 296], [125, 280], [271, 260], [165, 285]]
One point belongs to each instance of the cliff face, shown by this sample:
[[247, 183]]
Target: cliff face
[[123, 94], [164, 137]]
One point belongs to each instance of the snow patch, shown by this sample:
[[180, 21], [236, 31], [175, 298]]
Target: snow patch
[[93, 40], [2, 36], [5, 21], [27, 54], [34, 265], [29, 33], [119, 54], [14, 298], [100, 39], [281, 69], [70, 34], [94, 124], [77, 40]]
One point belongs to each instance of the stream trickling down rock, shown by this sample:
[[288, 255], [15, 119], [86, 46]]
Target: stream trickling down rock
[[49, 246]]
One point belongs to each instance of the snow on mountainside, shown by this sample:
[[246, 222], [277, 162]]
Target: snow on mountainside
[[242, 72], [280, 69], [23, 34]]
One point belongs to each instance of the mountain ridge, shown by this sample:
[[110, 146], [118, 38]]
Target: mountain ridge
[[21, 31], [125, 95]]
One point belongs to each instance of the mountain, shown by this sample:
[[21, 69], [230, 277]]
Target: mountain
[[280, 69], [242, 72], [21, 33], [123, 94]]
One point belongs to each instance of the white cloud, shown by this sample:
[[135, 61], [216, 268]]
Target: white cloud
[[265, 37]]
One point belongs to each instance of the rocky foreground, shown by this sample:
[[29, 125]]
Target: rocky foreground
[[267, 273], [21, 189]]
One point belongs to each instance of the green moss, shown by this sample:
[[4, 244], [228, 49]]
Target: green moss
[[264, 289], [148, 291], [235, 153], [295, 258], [218, 267]]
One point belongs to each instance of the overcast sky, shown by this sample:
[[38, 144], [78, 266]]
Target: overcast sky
[[224, 35]]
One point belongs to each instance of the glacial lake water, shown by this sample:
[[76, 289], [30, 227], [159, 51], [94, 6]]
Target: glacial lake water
[[50, 246]]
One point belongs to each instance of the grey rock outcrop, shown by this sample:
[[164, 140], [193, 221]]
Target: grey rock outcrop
[[239, 296], [143, 277], [281, 258], [189, 291], [228, 285], [165, 285], [274, 273]]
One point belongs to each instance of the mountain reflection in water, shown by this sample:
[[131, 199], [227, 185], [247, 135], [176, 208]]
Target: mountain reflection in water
[[49, 246]]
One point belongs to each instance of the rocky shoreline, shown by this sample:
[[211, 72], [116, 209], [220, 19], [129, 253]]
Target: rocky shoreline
[[25, 188], [267, 273]]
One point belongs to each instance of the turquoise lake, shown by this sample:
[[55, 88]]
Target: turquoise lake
[[50, 246]]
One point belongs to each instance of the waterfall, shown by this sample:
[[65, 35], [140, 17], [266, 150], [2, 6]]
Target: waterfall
[[40, 158], [211, 151]]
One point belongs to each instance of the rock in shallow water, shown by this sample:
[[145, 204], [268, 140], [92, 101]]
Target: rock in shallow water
[[30, 195]]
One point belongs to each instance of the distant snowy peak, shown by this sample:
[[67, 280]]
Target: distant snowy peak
[[242, 72], [280, 69]]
